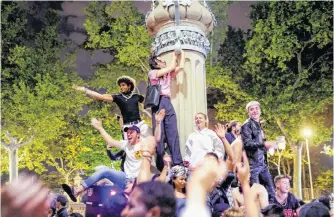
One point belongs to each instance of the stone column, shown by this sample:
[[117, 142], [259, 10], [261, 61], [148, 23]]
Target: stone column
[[189, 87]]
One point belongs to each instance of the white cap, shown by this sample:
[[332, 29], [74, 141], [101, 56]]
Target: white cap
[[251, 103]]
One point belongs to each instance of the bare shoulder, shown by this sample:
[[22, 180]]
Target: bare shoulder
[[258, 188]]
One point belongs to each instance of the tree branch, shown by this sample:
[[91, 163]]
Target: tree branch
[[7, 147]]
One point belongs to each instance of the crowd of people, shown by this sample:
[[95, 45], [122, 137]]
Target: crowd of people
[[224, 171]]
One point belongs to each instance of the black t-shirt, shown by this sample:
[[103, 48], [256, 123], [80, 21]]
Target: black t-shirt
[[290, 206], [129, 107]]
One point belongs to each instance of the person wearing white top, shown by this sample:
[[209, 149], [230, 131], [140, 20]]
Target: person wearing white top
[[134, 154], [202, 141]]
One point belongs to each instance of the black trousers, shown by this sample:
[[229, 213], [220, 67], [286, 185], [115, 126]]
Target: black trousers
[[261, 175], [168, 132]]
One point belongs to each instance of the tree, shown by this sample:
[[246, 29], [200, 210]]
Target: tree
[[289, 57], [218, 34], [37, 98]]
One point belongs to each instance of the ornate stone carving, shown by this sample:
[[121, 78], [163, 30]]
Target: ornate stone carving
[[191, 38]]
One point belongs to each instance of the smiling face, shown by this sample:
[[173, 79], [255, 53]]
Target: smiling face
[[254, 112], [200, 121], [283, 185], [180, 182], [124, 87], [133, 137]]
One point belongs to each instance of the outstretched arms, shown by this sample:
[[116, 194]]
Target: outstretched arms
[[111, 142], [93, 94]]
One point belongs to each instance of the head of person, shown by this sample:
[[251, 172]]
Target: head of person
[[314, 209], [61, 201], [179, 176], [156, 62], [254, 110], [282, 183], [201, 120], [234, 127], [151, 199], [273, 210], [126, 84], [133, 134], [234, 212]]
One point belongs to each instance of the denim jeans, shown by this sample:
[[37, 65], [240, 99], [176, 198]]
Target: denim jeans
[[116, 177]]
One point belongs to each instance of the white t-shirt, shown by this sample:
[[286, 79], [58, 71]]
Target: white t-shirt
[[132, 160], [199, 143]]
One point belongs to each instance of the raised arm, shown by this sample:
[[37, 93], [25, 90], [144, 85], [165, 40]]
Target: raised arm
[[220, 131], [93, 94], [111, 142], [180, 67], [167, 163], [159, 116], [148, 148], [243, 176], [168, 69]]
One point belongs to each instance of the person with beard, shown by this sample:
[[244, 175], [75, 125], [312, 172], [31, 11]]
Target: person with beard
[[127, 101], [256, 146], [283, 197]]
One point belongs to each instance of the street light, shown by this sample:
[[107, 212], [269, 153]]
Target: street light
[[307, 133]]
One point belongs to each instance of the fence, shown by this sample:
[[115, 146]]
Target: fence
[[77, 207]]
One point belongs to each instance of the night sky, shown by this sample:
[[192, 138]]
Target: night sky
[[237, 17]]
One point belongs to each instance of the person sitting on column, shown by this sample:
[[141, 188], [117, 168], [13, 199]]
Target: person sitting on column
[[161, 74], [202, 141], [283, 197], [134, 150], [255, 145], [127, 101]]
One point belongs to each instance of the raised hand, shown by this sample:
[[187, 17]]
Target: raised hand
[[25, 196], [159, 116], [96, 123], [243, 170], [149, 144], [220, 130], [79, 88]]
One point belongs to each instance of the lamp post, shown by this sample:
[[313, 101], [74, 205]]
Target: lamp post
[[307, 133], [281, 144]]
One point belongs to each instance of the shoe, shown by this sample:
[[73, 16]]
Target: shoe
[[70, 191]]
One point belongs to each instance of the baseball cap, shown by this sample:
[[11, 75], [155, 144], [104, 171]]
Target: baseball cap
[[315, 209], [134, 127]]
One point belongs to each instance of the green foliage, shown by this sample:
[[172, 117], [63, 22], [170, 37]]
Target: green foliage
[[121, 32], [231, 103], [290, 66], [324, 181], [218, 34]]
